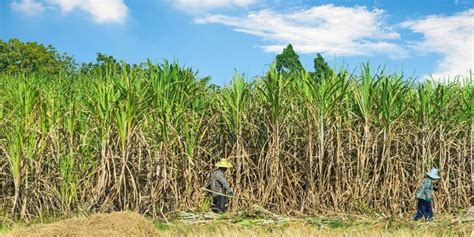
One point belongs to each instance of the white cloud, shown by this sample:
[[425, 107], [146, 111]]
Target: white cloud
[[327, 29], [101, 11], [450, 36], [204, 5], [28, 7]]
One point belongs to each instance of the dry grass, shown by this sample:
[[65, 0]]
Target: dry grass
[[259, 222], [306, 230], [132, 224], [114, 224]]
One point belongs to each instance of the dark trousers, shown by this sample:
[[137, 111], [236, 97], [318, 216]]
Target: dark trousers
[[219, 204], [425, 209]]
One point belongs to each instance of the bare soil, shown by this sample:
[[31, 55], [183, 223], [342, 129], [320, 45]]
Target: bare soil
[[113, 224]]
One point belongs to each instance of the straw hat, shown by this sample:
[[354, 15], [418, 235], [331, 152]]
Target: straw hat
[[223, 163], [433, 173]]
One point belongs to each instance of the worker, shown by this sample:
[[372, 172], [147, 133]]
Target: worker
[[220, 187], [424, 195]]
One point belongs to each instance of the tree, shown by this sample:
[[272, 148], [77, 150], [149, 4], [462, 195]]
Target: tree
[[321, 68], [107, 63], [288, 61], [17, 57]]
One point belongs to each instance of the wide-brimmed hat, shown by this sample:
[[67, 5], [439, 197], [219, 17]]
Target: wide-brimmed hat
[[223, 163], [433, 173]]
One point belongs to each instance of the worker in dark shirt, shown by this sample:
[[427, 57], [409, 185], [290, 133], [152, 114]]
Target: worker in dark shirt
[[219, 185]]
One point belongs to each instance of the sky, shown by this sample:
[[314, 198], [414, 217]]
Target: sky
[[421, 38]]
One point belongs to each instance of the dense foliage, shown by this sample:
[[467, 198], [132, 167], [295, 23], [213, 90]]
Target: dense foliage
[[288, 61], [146, 138], [17, 57]]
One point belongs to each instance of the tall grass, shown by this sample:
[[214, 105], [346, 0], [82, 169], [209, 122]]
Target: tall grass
[[146, 140]]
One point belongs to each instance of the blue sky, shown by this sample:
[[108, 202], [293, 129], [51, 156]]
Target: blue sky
[[216, 37]]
